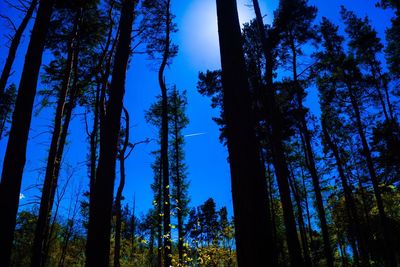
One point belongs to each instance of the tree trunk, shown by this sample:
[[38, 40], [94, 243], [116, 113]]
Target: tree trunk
[[94, 143], [118, 198], [118, 223], [14, 47], [271, 227], [279, 159], [15, 156], [270, 181], [178, 183], [300, 219], [164, 142], [310, 231], [159, 218], [98, 242], [248, 181], [49, 180], [60, 152]]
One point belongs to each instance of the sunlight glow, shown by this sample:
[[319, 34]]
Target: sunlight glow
[[200, 32]]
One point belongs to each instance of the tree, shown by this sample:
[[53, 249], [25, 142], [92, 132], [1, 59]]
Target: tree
[[160, 26], [361, 33], [100, 210], [211, 234], [179, 121], [392, 50], [248, 181], [154, 117], [123, 154], [14, 160], [275, 119], [118, 199]]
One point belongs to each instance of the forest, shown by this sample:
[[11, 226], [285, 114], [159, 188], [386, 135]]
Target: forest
[[110, 133]]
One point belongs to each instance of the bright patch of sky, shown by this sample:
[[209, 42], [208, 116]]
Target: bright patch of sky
[[199, 31]]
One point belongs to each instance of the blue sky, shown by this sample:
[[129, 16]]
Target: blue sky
[[205, 156]]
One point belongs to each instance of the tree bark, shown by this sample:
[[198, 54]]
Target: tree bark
[[14, 47], [98, 242], [247, 177], [14, 160]]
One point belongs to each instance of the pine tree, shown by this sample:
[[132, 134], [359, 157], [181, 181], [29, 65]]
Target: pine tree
[[159, 28], [179, 121]]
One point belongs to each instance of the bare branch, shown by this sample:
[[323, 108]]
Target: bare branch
[[10, 22], [132, 146]]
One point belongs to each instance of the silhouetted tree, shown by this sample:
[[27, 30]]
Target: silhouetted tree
[[248, 181], [98, 244], [179, 121], [160, 26], [275, 119], [14, 160]]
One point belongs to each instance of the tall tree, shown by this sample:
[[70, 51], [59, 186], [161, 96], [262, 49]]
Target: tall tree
[[160, 26], [248, 181], [98, 244], [49, 181], [180, 184], [154, 117], [14, 160], [118, 198], [294, 20], [274, 117]]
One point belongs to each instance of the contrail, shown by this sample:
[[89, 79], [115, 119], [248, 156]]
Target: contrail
[[195, 134]]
